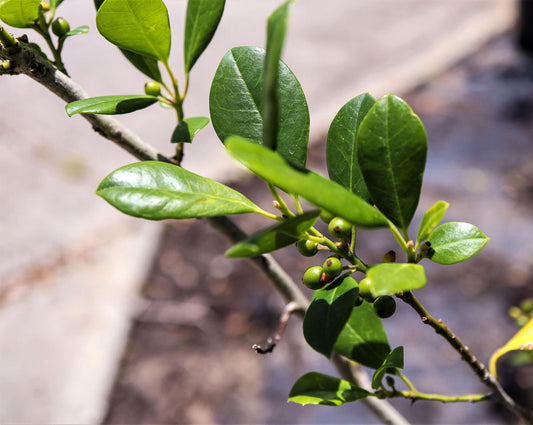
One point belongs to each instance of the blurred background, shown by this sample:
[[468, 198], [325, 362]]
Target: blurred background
[[104, 318]]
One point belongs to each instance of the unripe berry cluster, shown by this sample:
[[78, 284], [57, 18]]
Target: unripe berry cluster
[[316, 277]]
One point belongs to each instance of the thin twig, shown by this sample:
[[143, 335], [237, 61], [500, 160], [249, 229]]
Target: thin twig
[[272, 342], [479, 368]]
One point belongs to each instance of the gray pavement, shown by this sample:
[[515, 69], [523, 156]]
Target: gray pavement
[[71, 266]]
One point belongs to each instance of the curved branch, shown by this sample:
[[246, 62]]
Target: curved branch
[[28, 61], [479, 368]]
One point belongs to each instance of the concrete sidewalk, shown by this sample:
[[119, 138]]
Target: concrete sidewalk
[[71, 265]]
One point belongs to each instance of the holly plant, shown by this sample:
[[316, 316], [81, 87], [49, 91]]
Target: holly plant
[[376, 155]]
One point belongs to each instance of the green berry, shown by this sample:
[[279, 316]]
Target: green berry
[[365, 289], [340, 228], [307, 248], [152, 88], [326, 216], [60, 27], [312, 277], [332, 267], [384, 306]]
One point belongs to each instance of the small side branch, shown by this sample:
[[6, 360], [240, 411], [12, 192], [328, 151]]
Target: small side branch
[[272, 342], [479, 368]]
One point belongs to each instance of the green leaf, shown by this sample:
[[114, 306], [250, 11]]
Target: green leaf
[[395, 278], [84, 29], [328, 313], [275, 237], [391, 364], [19, 13], [392, 148], [341, 148], [523, 340], [317, 388], [363, 339], [201, 22], [236, 103], [454, 242], [157, 190], [55, 3], [318, 190], [431, 218], [110, 105], [276, 30], [146, 65], [139, 26], [187, 129]]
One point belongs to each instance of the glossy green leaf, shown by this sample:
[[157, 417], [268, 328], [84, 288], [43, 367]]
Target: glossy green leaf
[[341, 147], [201, 22], [275, 237], [139, 26], [317, 388], [19, 13], [187, 129], [148, 66], [392, 148], [363, 339], [84, 29], [313, 187], [276, 30], [395, 278], [393, 362], [110, 105], [523, 340], [431, 218], [236, 103], [454, 242], [158, 190], [328, 313]]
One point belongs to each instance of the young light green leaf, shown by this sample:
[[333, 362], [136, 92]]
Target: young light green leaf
[[395, 278], [363, 339], [157, 190], [454, 242], [19, 13], [187, 129], [275, 237], [317, 388], [391, 364], [341, 147], [523, 340], [201, 22], [84, 29], [392, 148], [328, 313], [276, 29], [139, 26], [148, 66], [236, 103], [296, 180], [110, 105], [431, 218]]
